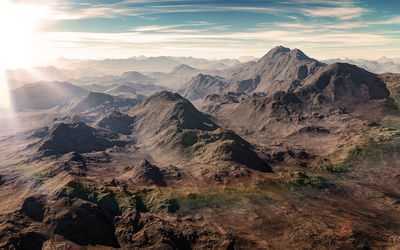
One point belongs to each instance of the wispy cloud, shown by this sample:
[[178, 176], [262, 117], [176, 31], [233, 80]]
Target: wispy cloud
[[353, 39], [191, 27], [393, 20], [67, 11], [155, 28], [342, 13], [320, 26], [212, 27]]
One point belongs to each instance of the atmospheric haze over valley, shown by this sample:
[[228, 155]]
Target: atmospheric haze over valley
[[267, 147]]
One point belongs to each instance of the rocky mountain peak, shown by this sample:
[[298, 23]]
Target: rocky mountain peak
[[183, 67], [278, 49], [164, 96], [281, 69], [132, 74]]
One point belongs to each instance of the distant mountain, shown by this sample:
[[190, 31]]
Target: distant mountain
[[36, 74], [248, 58], [281, 69], [177, 77], [121, 89], [134, 76], [228, 72], [44, 95], [382, 65], [202, 85], [184, 70], [148, 64], [99, 101]]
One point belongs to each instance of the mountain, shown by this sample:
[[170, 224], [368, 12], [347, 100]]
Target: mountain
[[148, 64], [337, 86], [99, 101], [169, 123], [74, 137], [202, 85], [183, 71], [175, 78], [143, 173], [248, 58], [281, 69], [134, 76], [310, 167], [228, 72], [343, 84], [49, 73], [339, 99], [165, 126], [379, 66], [45, 95], [134, 90], [121, 89]]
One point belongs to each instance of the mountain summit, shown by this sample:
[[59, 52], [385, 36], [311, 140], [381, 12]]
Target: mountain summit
[[281, 69]]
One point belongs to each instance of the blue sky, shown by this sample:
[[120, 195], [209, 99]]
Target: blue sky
[[213, 29]]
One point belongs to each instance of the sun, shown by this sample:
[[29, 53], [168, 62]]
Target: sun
[[19, 21]]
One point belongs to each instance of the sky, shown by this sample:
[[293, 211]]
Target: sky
[[37, 31]]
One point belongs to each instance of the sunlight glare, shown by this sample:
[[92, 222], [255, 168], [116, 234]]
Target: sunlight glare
[[18, 23]]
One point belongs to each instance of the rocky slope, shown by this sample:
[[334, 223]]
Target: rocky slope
[[75, 137], [117, 122]]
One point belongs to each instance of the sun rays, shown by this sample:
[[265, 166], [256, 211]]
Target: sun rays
[[5, 100], [18, 23]]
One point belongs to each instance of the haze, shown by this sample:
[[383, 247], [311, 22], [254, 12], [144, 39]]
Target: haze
[[147, 124]]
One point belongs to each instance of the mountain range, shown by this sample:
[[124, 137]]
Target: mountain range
[[285, 152]]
